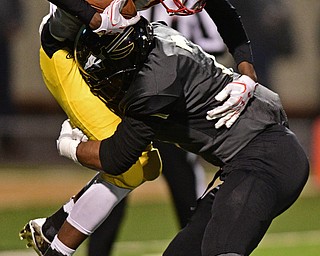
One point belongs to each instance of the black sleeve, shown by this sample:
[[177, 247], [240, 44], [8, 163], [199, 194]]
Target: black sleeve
[[231, 29], [79, 8], [119, 152]]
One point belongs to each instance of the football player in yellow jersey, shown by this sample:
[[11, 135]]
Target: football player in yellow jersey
[[89, 114]]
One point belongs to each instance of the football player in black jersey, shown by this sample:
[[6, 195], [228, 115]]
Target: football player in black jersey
[[233, 88], [165, 91]]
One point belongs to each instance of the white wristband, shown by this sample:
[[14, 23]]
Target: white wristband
[[68, 148]]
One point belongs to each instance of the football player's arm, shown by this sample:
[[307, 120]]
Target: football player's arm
[[120, 151], [88, 154], [233, 33], [99, 22], [113, 155], [236, 95], [82, 9]]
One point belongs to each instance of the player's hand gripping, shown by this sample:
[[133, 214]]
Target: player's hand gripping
[[113, 21], [69, 140], [237, 95]]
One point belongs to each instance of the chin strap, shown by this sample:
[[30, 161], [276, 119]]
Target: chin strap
[[182, 10]]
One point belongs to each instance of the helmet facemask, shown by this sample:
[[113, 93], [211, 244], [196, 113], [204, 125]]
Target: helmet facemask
[[181, 9], [113, 88]]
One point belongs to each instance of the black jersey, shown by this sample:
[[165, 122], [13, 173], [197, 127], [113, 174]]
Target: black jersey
[[169, 99]]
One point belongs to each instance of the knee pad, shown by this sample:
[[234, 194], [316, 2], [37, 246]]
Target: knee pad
[[98, 199]]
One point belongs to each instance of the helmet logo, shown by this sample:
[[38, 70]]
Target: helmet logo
[[92, 63], [113, 49], [121, 53]]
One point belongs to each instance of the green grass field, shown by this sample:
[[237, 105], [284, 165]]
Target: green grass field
[[148, 228], [149, 225], [296, 232]]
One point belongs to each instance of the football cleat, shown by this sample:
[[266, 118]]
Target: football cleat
[[32, 233]]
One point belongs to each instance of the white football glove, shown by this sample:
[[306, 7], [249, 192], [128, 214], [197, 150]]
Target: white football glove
[[69, 140], [239, 92], [113, 21]]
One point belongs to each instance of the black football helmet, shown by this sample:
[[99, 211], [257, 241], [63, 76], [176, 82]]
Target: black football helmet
[[110, 62]]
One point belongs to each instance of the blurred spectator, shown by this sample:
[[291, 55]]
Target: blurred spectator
[[199, 28], [269, 27], [10, 21]]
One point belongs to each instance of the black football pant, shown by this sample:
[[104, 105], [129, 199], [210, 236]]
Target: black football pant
[[260, 182]]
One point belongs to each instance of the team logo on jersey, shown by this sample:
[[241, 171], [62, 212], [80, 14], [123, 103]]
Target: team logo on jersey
[[163, 116], [121, 53]]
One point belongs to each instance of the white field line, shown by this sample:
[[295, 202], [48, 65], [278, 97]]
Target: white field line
[[287, 239]]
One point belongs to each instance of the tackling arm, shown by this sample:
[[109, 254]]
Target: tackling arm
[[233, 33], [88, 154], [236, 94], [110, 19], [81, 9], [127, 145]]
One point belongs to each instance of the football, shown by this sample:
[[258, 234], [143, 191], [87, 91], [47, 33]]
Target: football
[[128, 11]]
